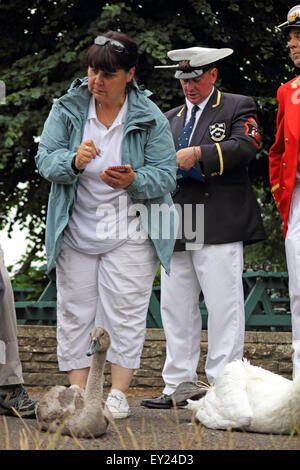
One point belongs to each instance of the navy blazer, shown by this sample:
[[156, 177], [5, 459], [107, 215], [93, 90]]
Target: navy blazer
[[227, 133]]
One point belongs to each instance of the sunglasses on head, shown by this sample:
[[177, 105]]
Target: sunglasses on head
[[116, 45]]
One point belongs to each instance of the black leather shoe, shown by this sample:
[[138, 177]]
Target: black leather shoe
[[163, 401]]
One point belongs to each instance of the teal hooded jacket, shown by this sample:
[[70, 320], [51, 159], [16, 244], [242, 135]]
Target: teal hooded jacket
[[147, 146]]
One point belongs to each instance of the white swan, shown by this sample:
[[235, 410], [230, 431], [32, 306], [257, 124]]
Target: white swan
[[252, 398], [72, 408]]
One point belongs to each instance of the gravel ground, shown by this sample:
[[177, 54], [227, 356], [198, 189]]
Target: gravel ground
[[146, 429]]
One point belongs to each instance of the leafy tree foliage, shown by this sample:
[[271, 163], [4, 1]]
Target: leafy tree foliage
[[43, 49]]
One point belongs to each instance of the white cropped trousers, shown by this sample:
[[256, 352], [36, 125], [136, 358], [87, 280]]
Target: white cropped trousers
[[217, 271], [111, 290], [292, 248]]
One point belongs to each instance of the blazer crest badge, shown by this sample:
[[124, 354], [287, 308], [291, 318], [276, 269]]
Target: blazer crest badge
[[217, 131]]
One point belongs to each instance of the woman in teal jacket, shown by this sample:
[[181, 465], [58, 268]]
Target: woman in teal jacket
[[107, 229]]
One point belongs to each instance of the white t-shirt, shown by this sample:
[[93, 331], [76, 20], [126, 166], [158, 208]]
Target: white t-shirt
[[100, 221]]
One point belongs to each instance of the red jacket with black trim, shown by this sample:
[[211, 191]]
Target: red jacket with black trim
[[284, 153]]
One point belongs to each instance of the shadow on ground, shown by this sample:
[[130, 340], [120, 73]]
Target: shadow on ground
[[145, 429]]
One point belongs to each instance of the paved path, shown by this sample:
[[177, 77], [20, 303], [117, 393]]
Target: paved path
[[145, 430]]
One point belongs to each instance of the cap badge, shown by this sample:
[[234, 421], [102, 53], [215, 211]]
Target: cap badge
[[184, 65], [293, 17], [217, 131]]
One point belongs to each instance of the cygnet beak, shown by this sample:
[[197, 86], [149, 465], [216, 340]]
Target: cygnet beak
[[94, 346]]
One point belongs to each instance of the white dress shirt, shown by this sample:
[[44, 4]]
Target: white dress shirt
[[201, 107]]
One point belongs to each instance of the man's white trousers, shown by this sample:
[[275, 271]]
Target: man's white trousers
[[217, 271], [292, 248]]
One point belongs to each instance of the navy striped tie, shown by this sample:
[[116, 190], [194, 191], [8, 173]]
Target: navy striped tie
[[183, 141]]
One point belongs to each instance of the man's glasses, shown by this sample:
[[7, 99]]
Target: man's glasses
[[116, 45]]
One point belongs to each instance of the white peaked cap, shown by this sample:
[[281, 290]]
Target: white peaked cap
[[193, 61], [293, 18], [199, 56]]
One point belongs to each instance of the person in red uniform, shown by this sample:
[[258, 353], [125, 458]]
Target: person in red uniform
[[284, 166]]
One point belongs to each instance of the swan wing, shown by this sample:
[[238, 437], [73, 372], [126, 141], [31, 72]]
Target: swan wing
[[58, 402], [226, 403]]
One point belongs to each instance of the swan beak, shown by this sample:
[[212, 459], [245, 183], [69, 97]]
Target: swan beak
[[94, 346]]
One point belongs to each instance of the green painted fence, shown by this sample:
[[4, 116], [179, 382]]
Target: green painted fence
[[267, 305]]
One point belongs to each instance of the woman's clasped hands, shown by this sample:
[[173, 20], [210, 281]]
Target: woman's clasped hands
[[114, 178]]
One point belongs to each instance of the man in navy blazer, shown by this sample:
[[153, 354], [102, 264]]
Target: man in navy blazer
[[219, 214]]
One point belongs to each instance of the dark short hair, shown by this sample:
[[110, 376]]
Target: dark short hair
[[108, 59]]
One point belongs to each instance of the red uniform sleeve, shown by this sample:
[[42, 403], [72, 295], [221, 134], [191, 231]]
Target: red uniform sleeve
[[277, 149]]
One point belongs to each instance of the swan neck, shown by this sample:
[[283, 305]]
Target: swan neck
[[94, 386]]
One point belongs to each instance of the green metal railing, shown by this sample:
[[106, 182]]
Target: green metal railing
[[267, 305]]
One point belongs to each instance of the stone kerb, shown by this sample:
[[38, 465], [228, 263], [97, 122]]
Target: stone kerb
[[37, 347]]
